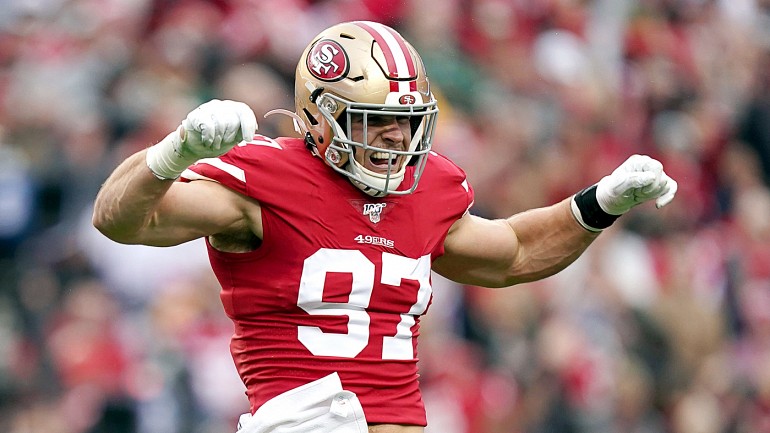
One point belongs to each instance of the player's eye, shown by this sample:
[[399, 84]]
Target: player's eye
[[377, 120]]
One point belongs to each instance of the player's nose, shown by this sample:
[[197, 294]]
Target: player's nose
[[391, 132]]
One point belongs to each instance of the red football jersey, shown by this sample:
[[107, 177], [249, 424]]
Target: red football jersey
[[340, 279]]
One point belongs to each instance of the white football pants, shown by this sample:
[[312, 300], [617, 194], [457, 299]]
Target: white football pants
[[321, 406]]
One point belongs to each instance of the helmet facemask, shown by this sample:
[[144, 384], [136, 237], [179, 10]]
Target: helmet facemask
[[341, 151]]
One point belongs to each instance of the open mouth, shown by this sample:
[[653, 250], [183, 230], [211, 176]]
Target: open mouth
[[381, 161]]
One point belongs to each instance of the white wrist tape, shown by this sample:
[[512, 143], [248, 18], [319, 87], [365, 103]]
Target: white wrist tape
[[166, 160]]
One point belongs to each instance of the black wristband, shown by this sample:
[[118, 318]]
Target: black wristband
[[591, 213]]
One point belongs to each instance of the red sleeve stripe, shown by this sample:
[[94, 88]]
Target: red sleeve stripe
[[399, 61]]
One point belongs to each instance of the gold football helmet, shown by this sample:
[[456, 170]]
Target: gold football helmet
[[364, 69]]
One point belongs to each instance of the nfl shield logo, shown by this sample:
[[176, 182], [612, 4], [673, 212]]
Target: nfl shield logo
[[374, 210]]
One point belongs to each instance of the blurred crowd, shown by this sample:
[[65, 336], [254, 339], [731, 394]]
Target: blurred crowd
[[662, 326]]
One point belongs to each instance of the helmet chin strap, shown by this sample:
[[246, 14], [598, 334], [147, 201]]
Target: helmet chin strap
[[367, 189], [376, 184]]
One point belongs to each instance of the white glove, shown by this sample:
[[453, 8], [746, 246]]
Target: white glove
[[639, 179], [209, 131]]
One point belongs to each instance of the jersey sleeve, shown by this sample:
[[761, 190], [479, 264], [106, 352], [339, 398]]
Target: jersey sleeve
[[456, 184], [449, 193], [240, 168]]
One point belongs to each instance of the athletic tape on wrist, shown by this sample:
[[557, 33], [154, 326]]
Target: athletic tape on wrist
[[163, 159], [587, 211]]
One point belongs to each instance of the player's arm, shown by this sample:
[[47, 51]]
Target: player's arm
[[525, 247], [140, 203], [541, 242]]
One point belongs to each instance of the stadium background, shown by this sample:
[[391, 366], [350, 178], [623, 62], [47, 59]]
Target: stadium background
[[663, 326]]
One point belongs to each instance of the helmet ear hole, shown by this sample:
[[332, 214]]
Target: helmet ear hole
[[310, 117]]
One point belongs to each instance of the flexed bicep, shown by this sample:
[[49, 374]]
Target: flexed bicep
[[140, 203], [525, 247], [198, 209], [134, 207], [479, 251]]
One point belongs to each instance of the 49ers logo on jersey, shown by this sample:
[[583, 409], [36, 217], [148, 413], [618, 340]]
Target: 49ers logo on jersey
[[328, 61]]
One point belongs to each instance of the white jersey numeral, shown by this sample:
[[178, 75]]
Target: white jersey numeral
[[394, 269], [348, 345], [261, 140]]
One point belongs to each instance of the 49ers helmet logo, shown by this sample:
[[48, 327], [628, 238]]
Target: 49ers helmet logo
[[328, 61]]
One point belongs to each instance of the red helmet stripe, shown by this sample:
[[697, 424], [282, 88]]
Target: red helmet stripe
[[399, 61], [409, 61]]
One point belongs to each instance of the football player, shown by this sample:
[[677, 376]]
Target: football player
[[324, 243]]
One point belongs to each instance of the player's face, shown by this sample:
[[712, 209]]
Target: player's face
[[382, 132]]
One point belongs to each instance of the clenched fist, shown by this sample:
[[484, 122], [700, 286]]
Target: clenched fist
[[639, 179], [208, 131]]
